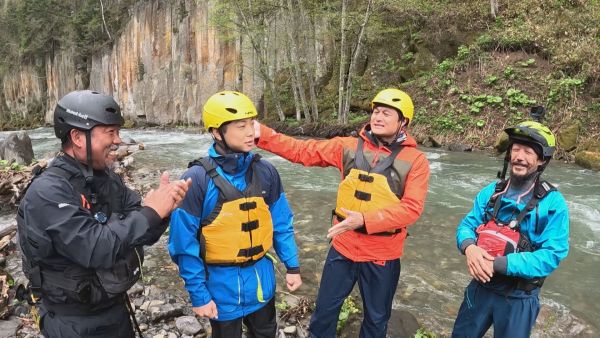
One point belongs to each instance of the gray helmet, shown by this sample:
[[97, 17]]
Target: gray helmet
[[83, 110]]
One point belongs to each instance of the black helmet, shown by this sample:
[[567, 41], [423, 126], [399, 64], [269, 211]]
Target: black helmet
[[85, 109]]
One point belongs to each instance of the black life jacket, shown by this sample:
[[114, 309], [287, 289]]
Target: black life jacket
[[76, 285]]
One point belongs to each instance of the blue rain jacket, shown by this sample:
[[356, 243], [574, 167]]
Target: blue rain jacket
[[547, 227], [232, 288]]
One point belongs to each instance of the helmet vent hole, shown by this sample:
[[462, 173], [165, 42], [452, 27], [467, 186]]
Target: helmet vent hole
[[95, 93], [111, 110], [231, 110], [61, 120], [396, 99]]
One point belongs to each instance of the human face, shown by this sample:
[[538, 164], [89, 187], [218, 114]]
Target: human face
[[524, 161], [385, 123], [239, 135]]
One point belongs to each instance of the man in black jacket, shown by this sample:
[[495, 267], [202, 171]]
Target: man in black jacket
[[81, 230]]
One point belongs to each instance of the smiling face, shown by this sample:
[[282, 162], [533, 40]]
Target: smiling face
[[239, 135], [385, 122], [105, 142], [524, 161]]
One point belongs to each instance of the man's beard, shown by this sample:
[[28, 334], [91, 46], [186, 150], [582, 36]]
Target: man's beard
[[522, 180]]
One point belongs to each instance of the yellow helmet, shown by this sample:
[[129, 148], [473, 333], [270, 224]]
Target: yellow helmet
[[227, 106], [396, 99], [535, 133]]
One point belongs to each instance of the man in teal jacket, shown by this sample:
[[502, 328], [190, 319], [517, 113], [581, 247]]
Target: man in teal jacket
[[233, 213], [516, 234]]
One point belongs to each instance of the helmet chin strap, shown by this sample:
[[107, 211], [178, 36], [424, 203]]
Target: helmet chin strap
[[222, 143]]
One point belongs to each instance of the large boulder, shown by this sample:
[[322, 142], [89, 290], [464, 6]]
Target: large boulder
[[567, 137], [588, 159], [17, 148]]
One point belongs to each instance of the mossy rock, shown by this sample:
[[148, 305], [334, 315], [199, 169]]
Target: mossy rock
[[501, 143], [590, 146], [588, 159], [567, 137], [129, 124]]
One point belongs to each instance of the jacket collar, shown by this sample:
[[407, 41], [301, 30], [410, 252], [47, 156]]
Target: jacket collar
[[368, 136], [232, 163]]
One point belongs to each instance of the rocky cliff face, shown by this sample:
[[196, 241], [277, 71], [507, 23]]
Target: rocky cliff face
[[162, 67]]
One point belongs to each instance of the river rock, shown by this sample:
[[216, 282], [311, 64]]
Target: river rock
[[459, 147], [290, 330], [17, 148], [434, 142], [588, 159], [188, 325], [567, 137], [501, 143], [8, 328], [166, 311], [402, 324]]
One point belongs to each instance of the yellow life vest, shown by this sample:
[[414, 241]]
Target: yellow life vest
[[367, 188], [239, 230]]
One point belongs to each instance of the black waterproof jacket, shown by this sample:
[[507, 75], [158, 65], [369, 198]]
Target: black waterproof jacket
[[59, 234]]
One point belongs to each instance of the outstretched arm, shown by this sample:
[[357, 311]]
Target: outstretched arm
[[311, 153]]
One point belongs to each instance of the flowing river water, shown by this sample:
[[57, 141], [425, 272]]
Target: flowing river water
[[434, 274]]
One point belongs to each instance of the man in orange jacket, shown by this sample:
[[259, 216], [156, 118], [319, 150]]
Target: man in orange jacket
[[383, 191]]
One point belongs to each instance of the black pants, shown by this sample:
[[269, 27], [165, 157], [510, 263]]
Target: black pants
[[112, 322], [260, 324]]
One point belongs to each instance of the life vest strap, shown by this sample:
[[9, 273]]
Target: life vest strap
[[247, 206], [249, 226], [366, 178], [249, 252], [363, 196]]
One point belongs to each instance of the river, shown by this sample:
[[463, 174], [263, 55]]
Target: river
[[433, 273]]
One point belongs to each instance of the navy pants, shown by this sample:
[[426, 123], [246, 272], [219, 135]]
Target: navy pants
[[512, 313], [377, 284]]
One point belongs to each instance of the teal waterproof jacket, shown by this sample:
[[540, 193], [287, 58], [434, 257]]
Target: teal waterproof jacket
[[547, 227]]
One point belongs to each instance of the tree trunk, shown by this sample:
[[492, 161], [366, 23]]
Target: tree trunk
[[494, 8], [295, 59], [312, 63], [263, 69], [341, 113], [354, 60]]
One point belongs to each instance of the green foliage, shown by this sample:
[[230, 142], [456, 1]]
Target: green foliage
[[34, 29], [527, 63], [478, 102], [517, 98], [282, 306], [348, 308], [424, 333], [445, 65], [5, 166], [564, 89], [509, 72], [463, 52], [491, 80]]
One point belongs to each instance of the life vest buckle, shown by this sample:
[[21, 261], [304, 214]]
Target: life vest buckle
[[248, 206], [363, 196], [249, 226], [366, 178]]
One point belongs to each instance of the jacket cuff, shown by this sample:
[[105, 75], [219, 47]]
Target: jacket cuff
[[152, 216], [293, 271], [465, 244], [200, 300], [500, 265]]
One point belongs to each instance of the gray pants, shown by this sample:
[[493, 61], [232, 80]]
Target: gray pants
[[112, 322]]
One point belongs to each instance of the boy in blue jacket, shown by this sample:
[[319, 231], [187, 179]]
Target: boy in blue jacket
[[516, 234], [233, 214]]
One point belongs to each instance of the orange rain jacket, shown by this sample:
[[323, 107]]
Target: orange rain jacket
[[339, 152]]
